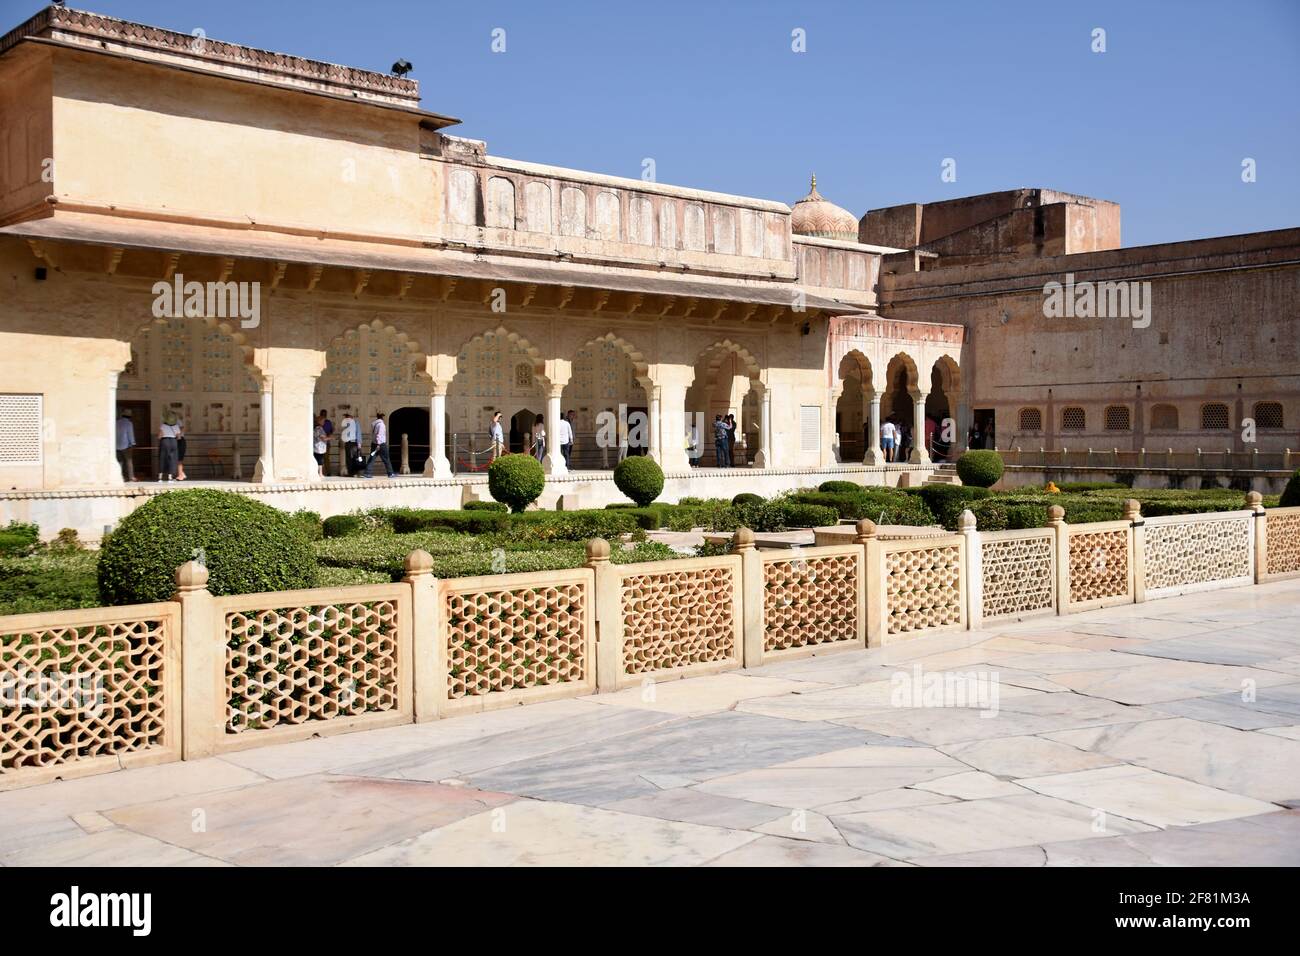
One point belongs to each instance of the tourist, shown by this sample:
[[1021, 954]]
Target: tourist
[[329, 436], [125, 442], [904, 442], [351, 436], [180, 448], [622, 433], [888, 435], [168, 432], [975, 437], [379, 446], [539, 438], [721, 445], [497, 436], [731, 441], [320, 444], [564, 435]]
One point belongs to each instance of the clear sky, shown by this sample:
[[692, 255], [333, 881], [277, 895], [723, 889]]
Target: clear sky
[[885, 92]]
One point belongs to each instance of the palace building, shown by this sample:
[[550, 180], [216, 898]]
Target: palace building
[[240, 238]]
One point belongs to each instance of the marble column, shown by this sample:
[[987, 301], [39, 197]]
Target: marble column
[[873, 455], [656, 432], [920, 454], [764, 457], [553, 462], [670, 402], [115, 475], [265, 470], [437, 465]]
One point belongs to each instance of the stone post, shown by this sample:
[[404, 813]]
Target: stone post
[[920, 454], [1255, 503], [264, 471], [405, 468], [428, 636], [974, 570], [1137, 545], [437, 465], [114, 474], [873, 454], [669, 405], [656, 432], [751, 592], [203, 665], [608, 615], [764, 457], [1061, 567], [874, 581], [553, 462], [864, 530]]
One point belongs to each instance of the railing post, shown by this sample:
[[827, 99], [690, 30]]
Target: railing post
[[974, 570], [1255, 502], [751, 595], [865, 530], [608, 608], [1056, 521], [1137, 542], [428, 637], [203, 664], [874, 580]]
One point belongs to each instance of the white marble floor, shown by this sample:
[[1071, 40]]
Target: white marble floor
[[1165, 733]]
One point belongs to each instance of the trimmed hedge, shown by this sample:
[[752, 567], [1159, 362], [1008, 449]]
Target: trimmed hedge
[[486, 506], [1291, 493], [247, 546], [340, 526], [840, 487], [408, 520], [308, 523], [947, 502], [640, 478], [18, 538], [980, 468], [574, 525], [748, 498], [516, 480], [881, 505]]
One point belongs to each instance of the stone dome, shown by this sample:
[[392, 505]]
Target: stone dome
[[815, 216]]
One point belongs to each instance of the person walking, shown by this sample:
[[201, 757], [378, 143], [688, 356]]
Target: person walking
[[888, 436], [622, 432], [539, 438], [320, 444], [168, 432], [379, 447], [497, 436], [329, 437], [126, 442], [721, 447], [351, 435], [564, 435], [180, 448]]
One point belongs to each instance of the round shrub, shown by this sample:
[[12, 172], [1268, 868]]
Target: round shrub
[[309, 524], [640, 478], [340, 526], [747, 498], [246, 545], [981, 469], [840, 487], [1291, 493], [516, 480], [485, 506]]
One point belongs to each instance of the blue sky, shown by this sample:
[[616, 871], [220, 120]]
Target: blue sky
[[1160, 122]]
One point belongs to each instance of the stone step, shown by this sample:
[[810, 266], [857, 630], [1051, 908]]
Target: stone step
[[942, 479]]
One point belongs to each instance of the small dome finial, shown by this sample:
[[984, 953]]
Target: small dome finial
[[814, 182]]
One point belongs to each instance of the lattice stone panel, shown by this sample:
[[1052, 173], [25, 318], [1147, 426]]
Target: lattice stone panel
[[1018, 576], [1196, 552], [21, 429], [1098, 565], [299, 664], [1283, 536], [923, 588], [678, 618], [70, 693], [501, 640], [809, 601]]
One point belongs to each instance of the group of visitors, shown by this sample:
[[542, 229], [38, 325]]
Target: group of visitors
[[171, 446], [536, 442], [895, 440], [724, 440], [354, 462]]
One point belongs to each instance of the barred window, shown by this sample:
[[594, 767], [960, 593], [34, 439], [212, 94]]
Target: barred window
[[1118, 418], [1031, 419], [1214, 416], [1073, 419], [1268, 415], [20, 429], [1164, 418]]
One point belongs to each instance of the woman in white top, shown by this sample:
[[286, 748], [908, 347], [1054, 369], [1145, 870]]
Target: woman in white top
[[168, 458], [539, 439]]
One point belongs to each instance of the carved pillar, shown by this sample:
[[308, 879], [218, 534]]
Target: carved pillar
[[671, 402], [553, 462], [288, 386], [655, 431], [764, 457], [920, 454], [265, 470], [873, 455], [437, 465]]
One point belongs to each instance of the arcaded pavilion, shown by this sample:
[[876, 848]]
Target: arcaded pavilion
[[351, 255]]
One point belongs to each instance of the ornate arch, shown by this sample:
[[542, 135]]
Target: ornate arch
[[515, 339], [907, 364], [854, 358], [752, 365], [949, 374], [635, 355], [234, 332], [379, 326]]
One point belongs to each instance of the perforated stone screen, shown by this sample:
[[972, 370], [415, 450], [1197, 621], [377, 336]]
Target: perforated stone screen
[[1098, 565], [1031, 419], [1164, 418], [82, 691], [807, 602], [291, 665], [514, 639], [1268, 415], [675, 619], [1214, 416], [1017, 576], [1073, 419], [1185, 552], [1283, 538], [1118, 418], [20, 429], [922, 588]]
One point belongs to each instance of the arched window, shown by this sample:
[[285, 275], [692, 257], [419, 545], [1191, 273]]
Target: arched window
[[1031, 419], [1164, 418], [1214, 416], [1118, 418], [1268, 415], [1073, 419]]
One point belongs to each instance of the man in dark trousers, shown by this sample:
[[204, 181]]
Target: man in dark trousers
[[379, 446]]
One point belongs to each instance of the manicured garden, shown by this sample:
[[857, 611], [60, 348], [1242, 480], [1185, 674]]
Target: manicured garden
[[249, 546]]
